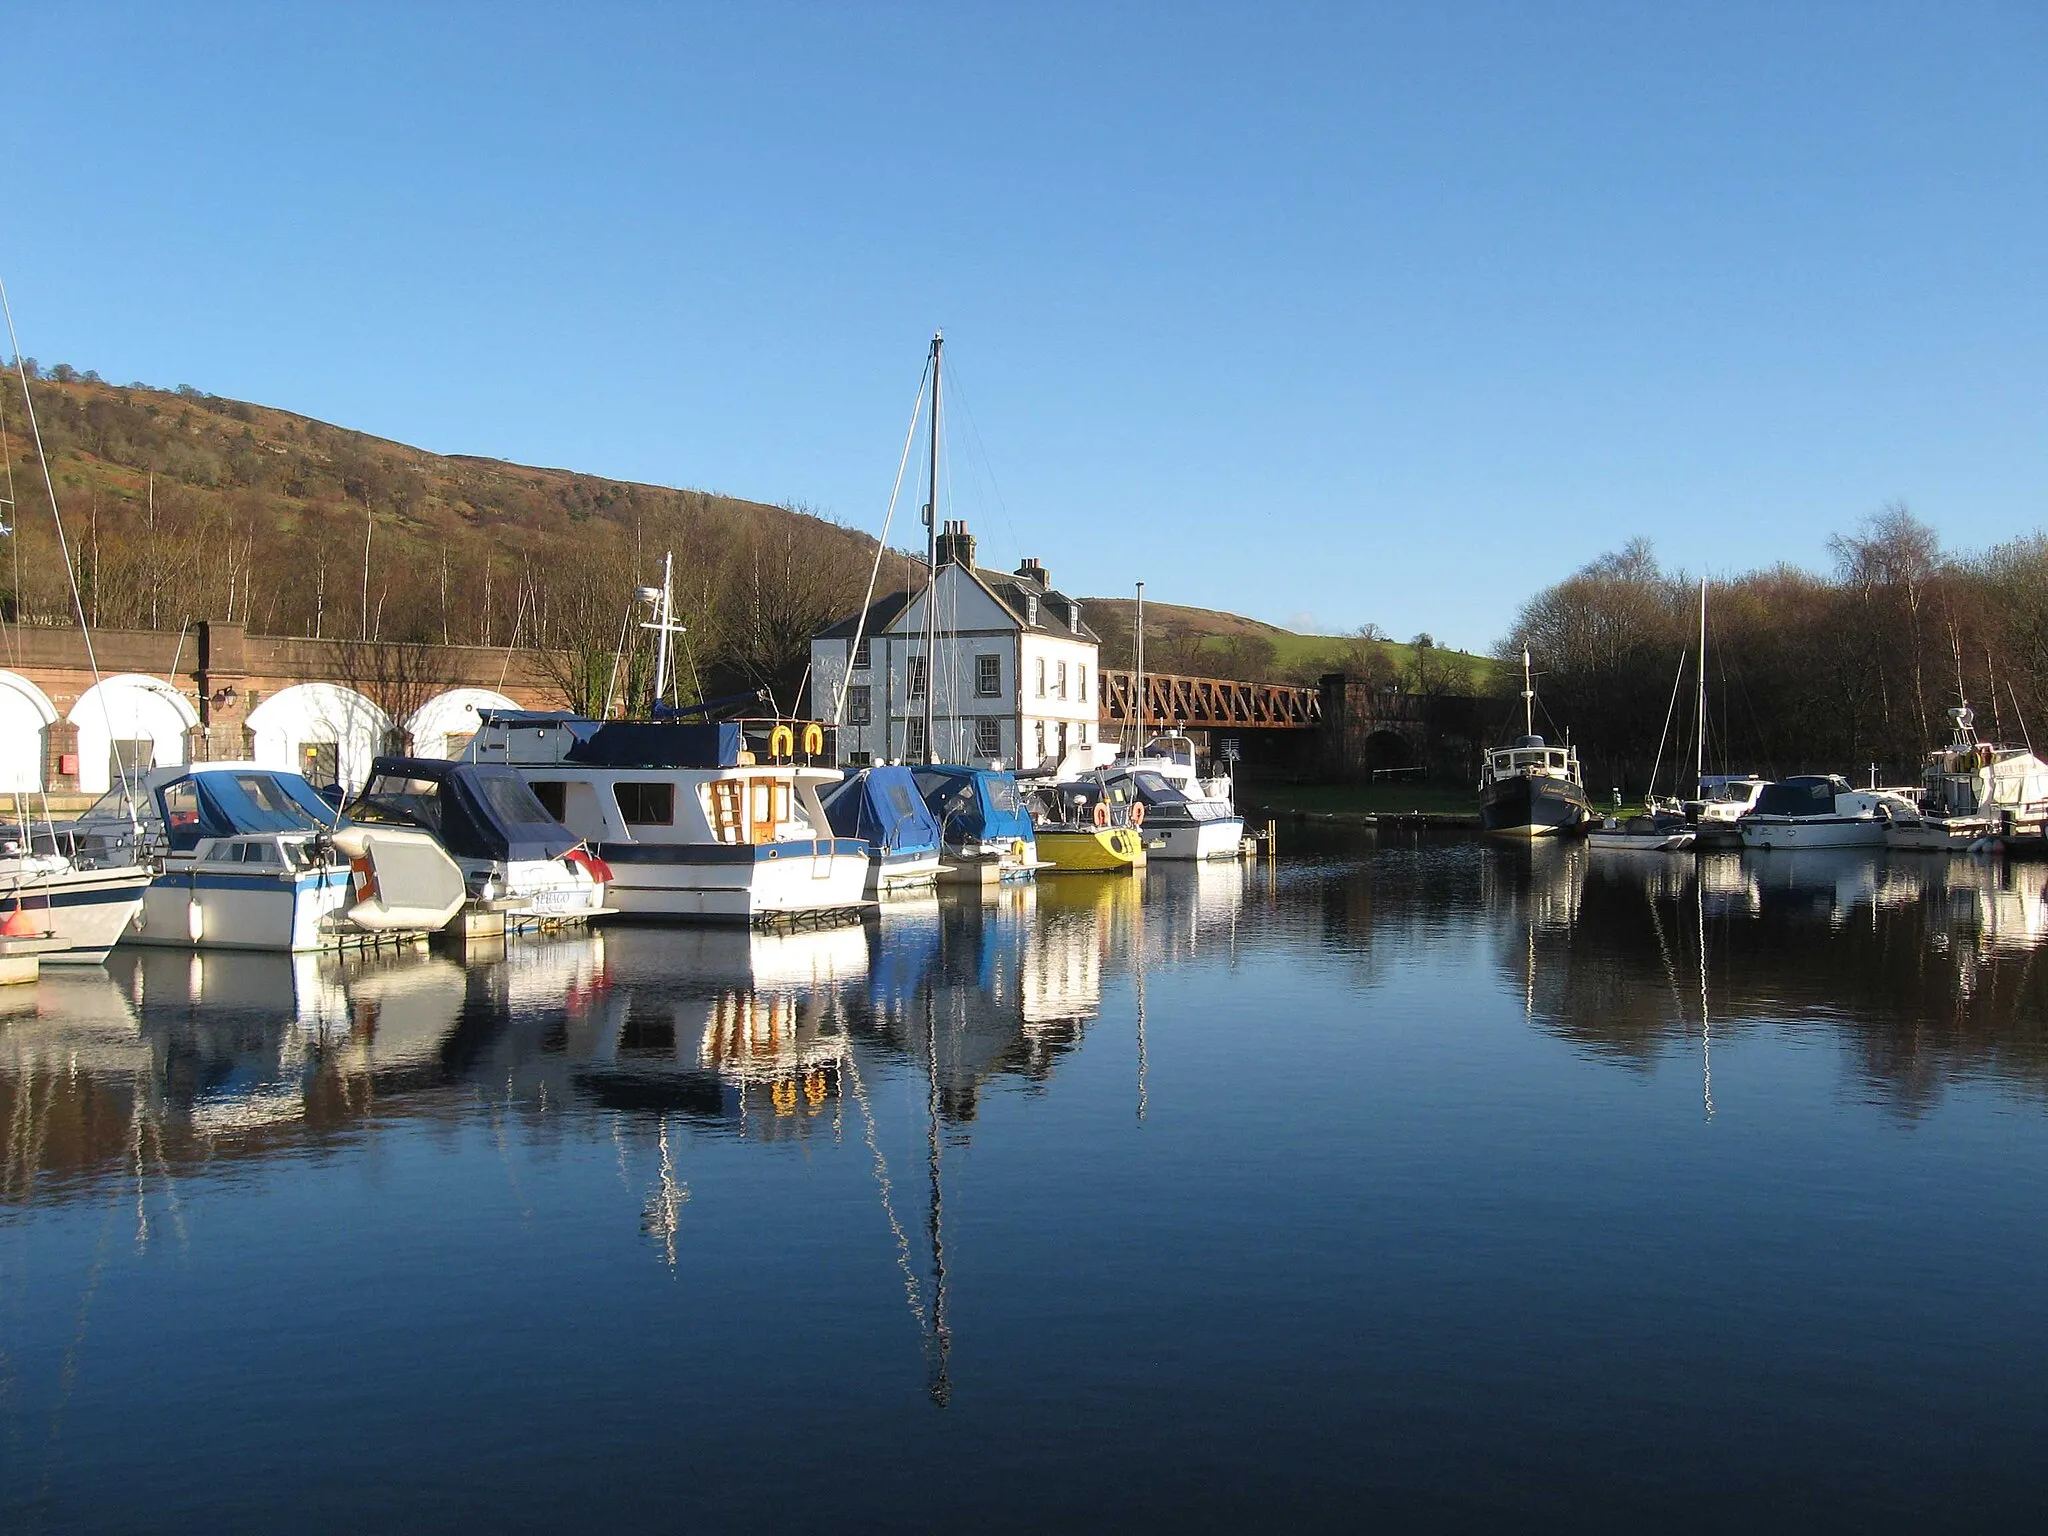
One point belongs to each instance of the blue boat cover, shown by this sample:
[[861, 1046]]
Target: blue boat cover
[[226, 802], [638, 744], [475, 810], [974, 803], [883, 806]]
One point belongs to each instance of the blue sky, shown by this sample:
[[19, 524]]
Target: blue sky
[[1329, 314]]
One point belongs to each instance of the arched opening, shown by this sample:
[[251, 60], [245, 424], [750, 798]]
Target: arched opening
[[325, 731], [1389, 754], [442, 726], [129, 723], [26, 715]]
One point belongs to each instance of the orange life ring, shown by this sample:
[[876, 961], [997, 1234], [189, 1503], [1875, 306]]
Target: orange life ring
[[1138, 815], [1102, 813]]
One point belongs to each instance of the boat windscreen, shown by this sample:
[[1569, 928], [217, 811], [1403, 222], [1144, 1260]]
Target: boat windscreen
[[1797, 797]]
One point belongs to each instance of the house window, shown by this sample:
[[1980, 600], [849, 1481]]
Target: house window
[[988, 677], [858, 710], [1081, 735], [860, 655], [1041, 677], [860, 759], [917, 677], [646, 805], [988, 736], [1081, 682], [1063, 679], [913, 739], [1038, 731]]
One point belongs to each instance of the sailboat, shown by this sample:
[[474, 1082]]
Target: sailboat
[[1720, 800], [1532, 789]]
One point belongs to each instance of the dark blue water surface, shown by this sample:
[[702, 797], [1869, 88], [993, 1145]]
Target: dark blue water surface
[[1418, 1184]]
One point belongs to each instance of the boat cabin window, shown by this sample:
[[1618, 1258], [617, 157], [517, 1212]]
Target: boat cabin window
[[1002, 794], [645, 805], [513, 801], [269, 795], [553, 796], [260, 853], [395, 800], [181, 804], [117, 804], [769, 808]]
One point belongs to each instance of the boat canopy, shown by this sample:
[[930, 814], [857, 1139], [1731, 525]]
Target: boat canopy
[[475, 810], [639, 744], [978, 803], [1808, 795], [883, 805], [234, 801]]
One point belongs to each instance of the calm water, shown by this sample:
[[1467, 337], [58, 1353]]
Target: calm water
[[1422, 1184]]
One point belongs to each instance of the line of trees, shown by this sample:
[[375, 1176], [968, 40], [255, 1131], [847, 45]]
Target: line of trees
[[1805, 672]]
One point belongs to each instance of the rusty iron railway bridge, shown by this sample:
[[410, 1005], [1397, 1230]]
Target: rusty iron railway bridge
[[1210, 704]]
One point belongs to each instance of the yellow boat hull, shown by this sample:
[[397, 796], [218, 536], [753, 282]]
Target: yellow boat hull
[[1092, 851]]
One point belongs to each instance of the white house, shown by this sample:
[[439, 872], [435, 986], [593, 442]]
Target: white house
[[1014, 681]]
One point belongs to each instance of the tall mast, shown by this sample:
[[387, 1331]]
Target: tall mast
[[661, 618], [1700, 765], [931, 593], [1138, 688], [1528, 697]]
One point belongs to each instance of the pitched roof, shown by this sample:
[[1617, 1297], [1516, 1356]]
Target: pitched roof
[[1007, 588]]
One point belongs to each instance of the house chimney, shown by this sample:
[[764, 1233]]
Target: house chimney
[[956, 544], [1031, 570]]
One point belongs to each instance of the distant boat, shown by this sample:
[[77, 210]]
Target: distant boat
[[1532, 789], [1821, 811], [1651, 832], [1971, 791]]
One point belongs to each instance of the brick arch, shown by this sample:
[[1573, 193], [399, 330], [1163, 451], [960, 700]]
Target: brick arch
[[26, 715], [291, 725], [129, 706]]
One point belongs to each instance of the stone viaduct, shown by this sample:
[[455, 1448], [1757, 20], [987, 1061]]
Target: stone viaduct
[[213, 691]]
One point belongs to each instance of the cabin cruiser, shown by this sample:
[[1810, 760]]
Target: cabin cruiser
[[1654, 830], [1177, 825], [515, 858], [1821, 811], [1972, 790], [981, 819], [1532, 789], [252, 858], [716, 820], [1173, 759], [1088, 826], [882, 807]]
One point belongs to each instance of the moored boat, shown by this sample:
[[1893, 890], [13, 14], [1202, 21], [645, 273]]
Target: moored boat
[[1820, 811], [1085, 827], [1651, 832], [1531, 789], [717, 821], [1973, 791], [984, 829], [515, 858], [1177, 826], [882, 807]]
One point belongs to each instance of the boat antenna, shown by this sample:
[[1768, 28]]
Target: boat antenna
[[1699, 772], [1138, 686], [860, 625], [931, 544], [1528, 697]]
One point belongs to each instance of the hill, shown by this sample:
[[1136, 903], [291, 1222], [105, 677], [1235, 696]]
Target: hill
[[182, 505], [1207, 642]]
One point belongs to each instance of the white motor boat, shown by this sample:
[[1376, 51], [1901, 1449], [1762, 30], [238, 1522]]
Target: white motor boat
[[707, 821], [1651, 832], [69, 903], [1176, 825], [253, 858], [1971, 792], [1822, 811], [515, 858]]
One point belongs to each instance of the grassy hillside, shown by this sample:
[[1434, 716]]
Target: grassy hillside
[[1206, 642]]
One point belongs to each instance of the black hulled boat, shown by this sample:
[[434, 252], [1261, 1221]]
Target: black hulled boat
[[1532, 789]]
